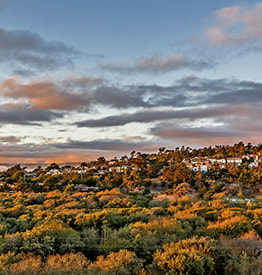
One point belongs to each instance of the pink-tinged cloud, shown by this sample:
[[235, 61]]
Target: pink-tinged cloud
[[70, 151], [44, 95], [45, 158], [229, 133], [237, 24]]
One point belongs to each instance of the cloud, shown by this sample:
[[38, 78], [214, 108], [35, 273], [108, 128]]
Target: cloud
[[71, 151], [193, 91], [236, 92], [42, 63], [71, 94], [236, 25], [33, 154], [83, 93], [20, 40], [227, 126], [204, 136], [172, 132], [47, 95], [194, 111], [157, 64], [103, 145], [156, 115], [21, 113], [48, 99], [75, 81], [119, 97], [28, 117], [10, 139], [24, 72], [231, 119], [10, 156], [31, 51]]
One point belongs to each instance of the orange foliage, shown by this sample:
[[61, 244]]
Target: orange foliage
[[233, 226], [121, 262], [66, 263], [160, 226], [29, 264]]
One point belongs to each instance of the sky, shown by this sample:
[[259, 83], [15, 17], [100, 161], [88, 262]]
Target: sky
[[88, 78]]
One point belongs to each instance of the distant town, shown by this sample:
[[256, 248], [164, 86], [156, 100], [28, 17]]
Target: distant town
[[237, 166]]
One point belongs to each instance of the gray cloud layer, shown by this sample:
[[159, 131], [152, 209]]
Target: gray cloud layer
[[203, 136], [28, 117], [31, 51], [155, 115], [230, 110], [12, 151], [103, 145], [46, 100], [225, 98], [157, 64]]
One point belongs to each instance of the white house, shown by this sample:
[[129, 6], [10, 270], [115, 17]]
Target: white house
[[235, 160]]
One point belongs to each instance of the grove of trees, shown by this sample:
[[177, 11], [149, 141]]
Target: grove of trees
[[159, 217]]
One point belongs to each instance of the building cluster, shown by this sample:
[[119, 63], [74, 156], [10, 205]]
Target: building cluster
[[96, 172], [98, 168], [69, 169], [195, 164], [204, 164]]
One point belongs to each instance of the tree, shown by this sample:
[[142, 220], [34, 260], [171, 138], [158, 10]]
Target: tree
[[52, 166], [182, 189], [11, 171], [66, 264], [29, 264], [178, 173], [186, 258], [112, 179], [50, 182], [123, 262], [21, 185], [69, 189]]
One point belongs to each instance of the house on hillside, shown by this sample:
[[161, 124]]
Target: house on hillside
[[54, 172], [235, 160], [118, 169], [250, 156], [78, 170], [200, 161], [197, 164], [83, 188], [220, 161]]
